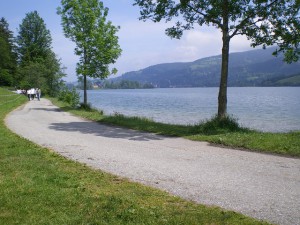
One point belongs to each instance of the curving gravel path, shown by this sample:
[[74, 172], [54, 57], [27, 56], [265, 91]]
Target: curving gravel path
[[262, 186]]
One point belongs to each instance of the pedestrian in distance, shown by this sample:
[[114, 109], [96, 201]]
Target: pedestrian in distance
[[29, 94], [38, 93], [32, 91]]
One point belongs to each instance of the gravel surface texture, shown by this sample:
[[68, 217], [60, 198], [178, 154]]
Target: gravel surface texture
[[265, 187]]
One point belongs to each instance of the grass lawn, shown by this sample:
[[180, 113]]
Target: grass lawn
[[228, 134], [37, 186]]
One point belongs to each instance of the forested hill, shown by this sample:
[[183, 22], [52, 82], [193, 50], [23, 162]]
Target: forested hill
[[250, 68]]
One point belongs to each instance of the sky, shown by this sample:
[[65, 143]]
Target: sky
[[143, 43]]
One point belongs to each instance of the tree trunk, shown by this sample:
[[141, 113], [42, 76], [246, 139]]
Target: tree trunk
[[222, 99], [84, 79], [84, 90]]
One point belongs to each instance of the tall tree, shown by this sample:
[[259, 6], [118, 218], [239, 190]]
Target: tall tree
[[38, 64], [8, 58], [54, 74], [84, 22], [34, 39], [264, 22]]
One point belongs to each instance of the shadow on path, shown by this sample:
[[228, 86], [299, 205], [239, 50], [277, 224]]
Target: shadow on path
[[48, 109], [87, 127]]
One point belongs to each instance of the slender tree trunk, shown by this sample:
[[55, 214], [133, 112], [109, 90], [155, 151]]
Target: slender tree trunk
[[222, 99], [84, 79], [84, 90]]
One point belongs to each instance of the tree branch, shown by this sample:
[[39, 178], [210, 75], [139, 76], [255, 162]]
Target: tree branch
[[244, 21], [205, 16]]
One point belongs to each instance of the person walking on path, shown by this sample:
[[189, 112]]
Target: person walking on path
[[28, 94], [38, 93], [32, 93]]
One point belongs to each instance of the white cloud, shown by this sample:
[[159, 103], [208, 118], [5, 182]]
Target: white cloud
[[207, 42], [239, 44], [197, 44]]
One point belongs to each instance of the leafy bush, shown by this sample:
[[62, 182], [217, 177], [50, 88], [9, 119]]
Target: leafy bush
[[87, 107], [6, 78], [71, 97], [218, 126]]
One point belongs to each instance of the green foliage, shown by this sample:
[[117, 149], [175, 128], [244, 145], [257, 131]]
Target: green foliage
[[218, 125], [71, 97], [8, 59], [34, 39], [84, 22], [39, 66], [291, 54], [6, 78], [89, 84], [54, 74], [32, 75], [86, 107]]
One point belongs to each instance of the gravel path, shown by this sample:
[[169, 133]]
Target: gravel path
[[262, 186]]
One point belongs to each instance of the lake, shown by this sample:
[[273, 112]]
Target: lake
[[274, 109]]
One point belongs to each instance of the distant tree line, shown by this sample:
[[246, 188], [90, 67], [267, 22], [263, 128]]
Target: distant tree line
[[125, 84], [27, 60], [89, 84], [112, 84]]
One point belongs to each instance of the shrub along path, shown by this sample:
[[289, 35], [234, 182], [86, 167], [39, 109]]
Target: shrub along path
[[262, 186]]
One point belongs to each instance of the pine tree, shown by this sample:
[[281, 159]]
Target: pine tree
[[38, 64], [34, 39], [8, 60]]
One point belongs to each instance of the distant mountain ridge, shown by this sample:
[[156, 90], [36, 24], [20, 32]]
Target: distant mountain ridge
[[250, 68]]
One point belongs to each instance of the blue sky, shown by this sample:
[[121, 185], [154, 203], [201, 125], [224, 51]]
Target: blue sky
[[143, 43]]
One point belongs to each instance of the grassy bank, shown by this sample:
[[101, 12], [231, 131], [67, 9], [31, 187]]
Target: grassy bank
[[39, 187], [228, 133]]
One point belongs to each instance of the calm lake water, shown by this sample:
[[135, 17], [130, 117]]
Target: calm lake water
[[275, 109]]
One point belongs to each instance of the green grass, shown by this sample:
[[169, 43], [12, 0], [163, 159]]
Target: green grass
[[227, 133], [37, 186]]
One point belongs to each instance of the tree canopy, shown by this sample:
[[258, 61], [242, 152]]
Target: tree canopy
[[85, 23], [7, 55], [264, 22], [34, 40], [38, 64]]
